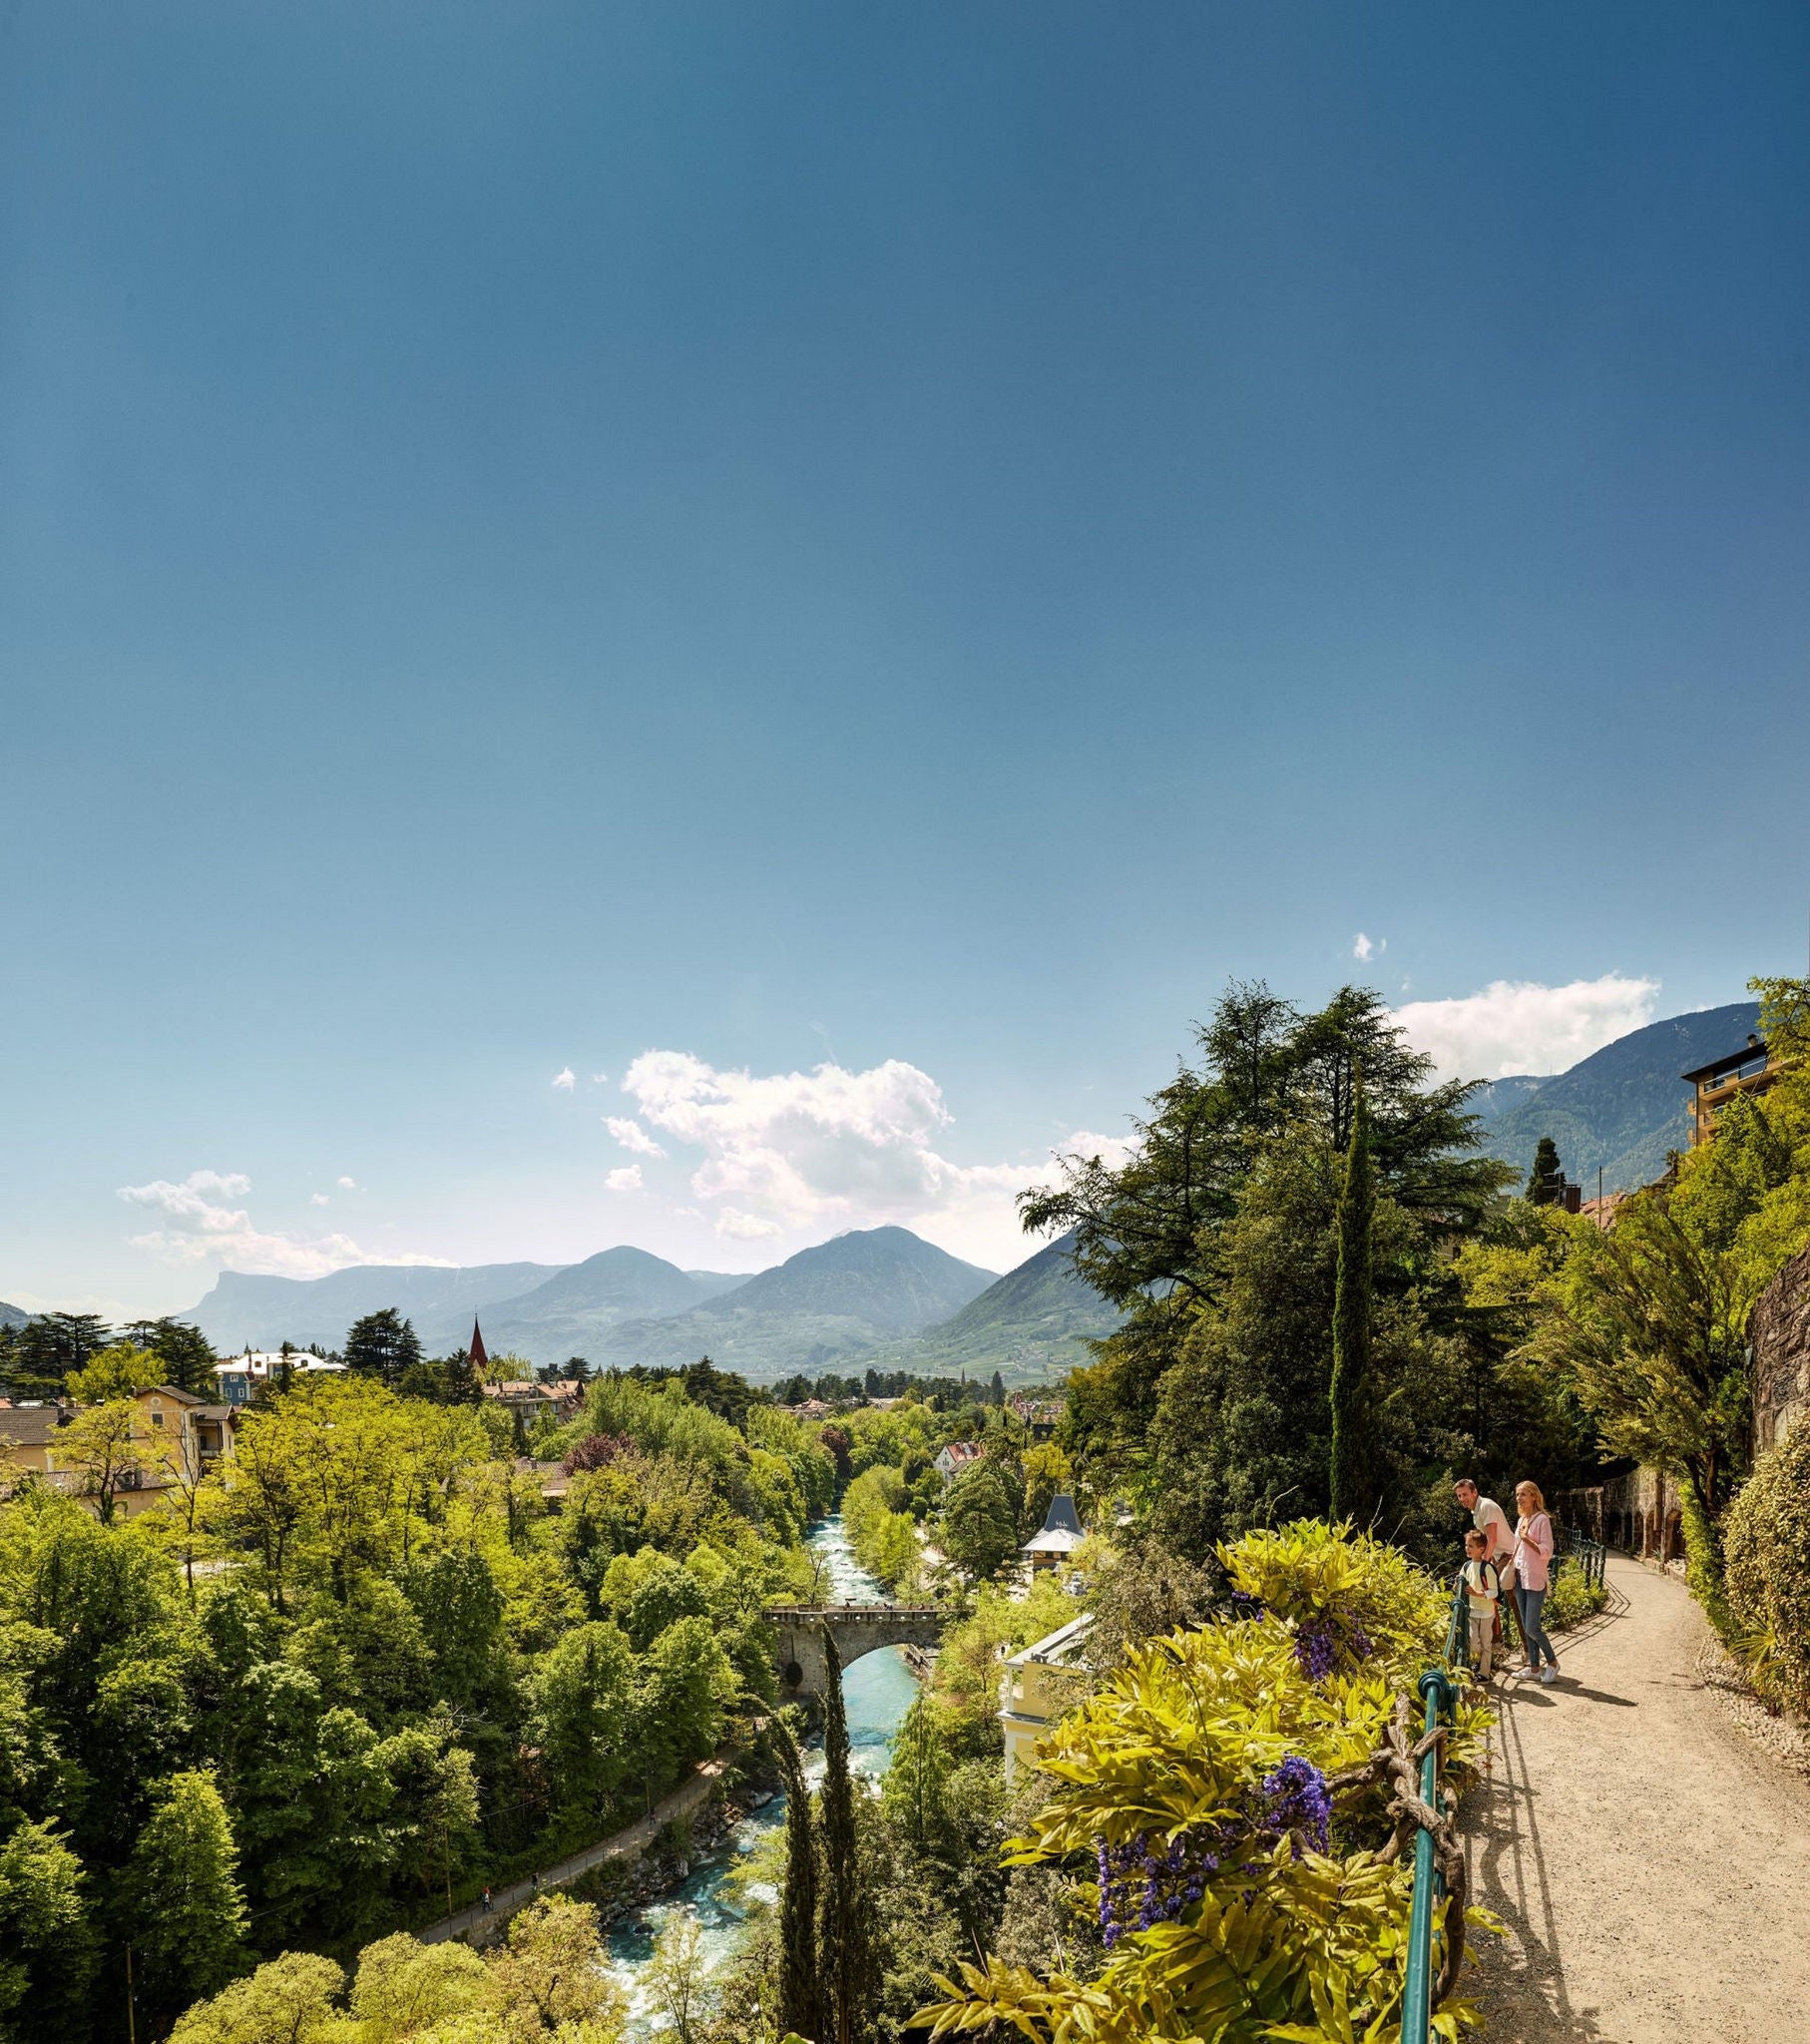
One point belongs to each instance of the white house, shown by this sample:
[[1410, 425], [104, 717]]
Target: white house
[[955, 1457], [1037, 1686], [239, 1376]]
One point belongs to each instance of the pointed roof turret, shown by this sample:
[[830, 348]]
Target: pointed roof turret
[[1062, 1532], [479, 1360]]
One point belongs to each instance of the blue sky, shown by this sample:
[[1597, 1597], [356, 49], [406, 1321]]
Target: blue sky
[[888, 551]]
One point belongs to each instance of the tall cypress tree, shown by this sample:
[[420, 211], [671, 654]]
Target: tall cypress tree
[[844, 1911], [1354, 1473], [800, 2006], [1545, 1182]]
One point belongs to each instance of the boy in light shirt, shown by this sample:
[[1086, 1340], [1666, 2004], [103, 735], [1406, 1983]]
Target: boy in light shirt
[[1482, 1598], [1493, 1523]]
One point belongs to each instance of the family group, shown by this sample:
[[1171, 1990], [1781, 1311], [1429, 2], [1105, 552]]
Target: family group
[[1504, 1566]]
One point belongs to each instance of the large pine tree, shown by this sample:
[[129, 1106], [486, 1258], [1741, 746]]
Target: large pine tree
[[1354, 1474], [382, 1345], [846, 1937], [800, 2004]]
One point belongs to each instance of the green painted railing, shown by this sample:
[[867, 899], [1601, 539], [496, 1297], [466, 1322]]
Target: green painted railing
[[1439, 1697], [1590, 1555]]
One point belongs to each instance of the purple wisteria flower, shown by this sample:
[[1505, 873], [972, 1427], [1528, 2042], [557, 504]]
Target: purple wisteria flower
[[1300, 1803], [1145, 1882], [1322, 1643]]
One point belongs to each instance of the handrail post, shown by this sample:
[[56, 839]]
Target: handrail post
[[1429, 1885]]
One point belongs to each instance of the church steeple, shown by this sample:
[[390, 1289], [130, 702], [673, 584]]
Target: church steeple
[[479, 1360]]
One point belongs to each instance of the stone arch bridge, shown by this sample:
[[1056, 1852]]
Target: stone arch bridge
[[857, 1629]]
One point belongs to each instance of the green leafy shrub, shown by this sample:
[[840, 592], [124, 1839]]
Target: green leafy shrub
[[1239, 1884], [1350, 1598], [1766, 1549], [1571, 1599]]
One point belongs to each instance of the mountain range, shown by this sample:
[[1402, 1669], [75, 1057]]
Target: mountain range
[[874, 1294], [885, 1297], [12, 1316], [1036, 1321], [1622, 1108]]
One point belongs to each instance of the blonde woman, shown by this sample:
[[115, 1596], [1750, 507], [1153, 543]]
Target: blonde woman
[[1533, 1574]]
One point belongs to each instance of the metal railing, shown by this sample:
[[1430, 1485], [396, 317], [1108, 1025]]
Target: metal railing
[[1439, 1696], [1590, 1555]]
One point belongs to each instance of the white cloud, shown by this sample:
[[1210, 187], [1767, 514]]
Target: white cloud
[[196, 1228], [600, 1078], [625, 1179], [1521, 1026], [1363, 947], [319, 1199], [346, 1185], [565, 1079], [632, 1136], [740, 1227], [794, 1153]]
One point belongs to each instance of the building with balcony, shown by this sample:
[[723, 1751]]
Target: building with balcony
[[1750, 1068]]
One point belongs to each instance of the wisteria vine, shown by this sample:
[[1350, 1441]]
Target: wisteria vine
[[1142, 1884]]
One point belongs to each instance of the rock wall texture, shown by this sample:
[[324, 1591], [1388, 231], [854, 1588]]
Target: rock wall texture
[[1780, 1333]]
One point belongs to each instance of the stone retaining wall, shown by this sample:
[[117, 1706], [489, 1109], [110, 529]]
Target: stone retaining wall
[[1780, 1333]]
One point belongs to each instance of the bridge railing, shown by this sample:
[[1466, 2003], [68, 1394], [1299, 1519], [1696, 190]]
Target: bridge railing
[[840, 1614], [1439, 1696]]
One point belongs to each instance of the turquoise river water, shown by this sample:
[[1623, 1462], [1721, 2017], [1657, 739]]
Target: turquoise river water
[[877, 1692]]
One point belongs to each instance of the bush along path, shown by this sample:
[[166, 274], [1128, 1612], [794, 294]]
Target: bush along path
[[1649, 1861]]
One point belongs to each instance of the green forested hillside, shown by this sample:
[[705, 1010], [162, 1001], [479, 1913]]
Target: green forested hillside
[[833, 1305], [571, 1313], [1034, 1323], [1622, 1107]]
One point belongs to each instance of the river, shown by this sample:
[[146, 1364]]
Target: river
[[877, 1692]]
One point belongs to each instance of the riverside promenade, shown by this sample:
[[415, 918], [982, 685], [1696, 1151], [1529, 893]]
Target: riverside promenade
[[479, 1925]]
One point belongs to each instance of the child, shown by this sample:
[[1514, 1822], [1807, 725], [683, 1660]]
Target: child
[[1483, 1596]]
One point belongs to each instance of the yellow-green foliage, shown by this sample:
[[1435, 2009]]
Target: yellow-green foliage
[[967, 1667], [881, 1531], [545, 1984], [1377, 1607], [892, 1435], [1766, 1545], [1300, 1936]]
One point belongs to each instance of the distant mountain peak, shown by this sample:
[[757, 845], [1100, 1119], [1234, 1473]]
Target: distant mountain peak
[[1620, 1110]]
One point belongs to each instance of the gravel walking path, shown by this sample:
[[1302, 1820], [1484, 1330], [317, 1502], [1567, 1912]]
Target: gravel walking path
[[1650, 1860], [479, 1925]]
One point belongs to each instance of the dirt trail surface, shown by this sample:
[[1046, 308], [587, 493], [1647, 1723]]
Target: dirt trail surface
[[479, 1925], [1652, 1863]]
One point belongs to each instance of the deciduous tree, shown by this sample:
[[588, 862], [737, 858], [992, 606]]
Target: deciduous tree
[[183, 1899]]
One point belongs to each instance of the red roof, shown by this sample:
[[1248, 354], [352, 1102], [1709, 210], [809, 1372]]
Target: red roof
[[479, 1360]]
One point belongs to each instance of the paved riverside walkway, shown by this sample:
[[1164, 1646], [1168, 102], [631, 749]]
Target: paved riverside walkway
[[1650, 1862], [480, 1925]]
